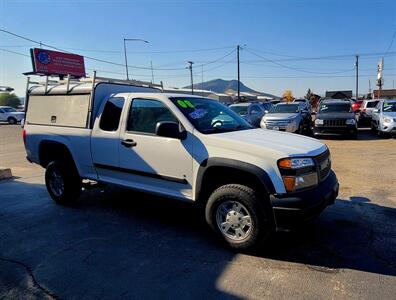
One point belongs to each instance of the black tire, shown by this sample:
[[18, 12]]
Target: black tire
[[262, 226], [373, 127], [66, 173], [300, 129], [12, 121]]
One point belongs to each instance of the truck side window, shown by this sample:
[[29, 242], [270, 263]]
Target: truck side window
[[144, 115], [111, 114]]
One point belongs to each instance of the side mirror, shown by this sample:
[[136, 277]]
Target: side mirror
[[23, 122], [266, 111], [170, 130]]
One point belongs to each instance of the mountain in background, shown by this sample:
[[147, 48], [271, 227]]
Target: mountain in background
[[226, 86]]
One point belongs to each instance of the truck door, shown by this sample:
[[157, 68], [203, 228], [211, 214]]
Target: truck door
[[105, 138], [149, 161]]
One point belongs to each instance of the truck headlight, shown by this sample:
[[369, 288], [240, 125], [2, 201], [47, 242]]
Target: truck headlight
[[350, 122], [318, 122], [296, 163], [387, 120], [298, 173]]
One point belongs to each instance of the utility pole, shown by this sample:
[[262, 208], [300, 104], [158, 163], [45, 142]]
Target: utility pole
[[190, 63], [369, 86], [357, 76], [152, 71], [239, 75]]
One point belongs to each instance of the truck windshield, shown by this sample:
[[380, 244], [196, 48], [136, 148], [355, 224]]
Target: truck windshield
[[332, 108], [284, 108], [9, 109], [209, 116]]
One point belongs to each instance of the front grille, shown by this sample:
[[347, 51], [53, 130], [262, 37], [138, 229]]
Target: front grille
[[277, 122], [323, 165], [334, 123]]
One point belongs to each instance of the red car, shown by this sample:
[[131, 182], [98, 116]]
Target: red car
[[356, 105]]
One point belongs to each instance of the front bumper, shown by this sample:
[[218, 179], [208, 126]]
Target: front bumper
[[290, 127], [294, 208], [331, 130], [388, 127]]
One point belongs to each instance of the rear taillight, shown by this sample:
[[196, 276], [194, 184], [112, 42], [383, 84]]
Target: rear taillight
[[24, 136]]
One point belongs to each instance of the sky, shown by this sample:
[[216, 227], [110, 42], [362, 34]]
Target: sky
[[285, 45]]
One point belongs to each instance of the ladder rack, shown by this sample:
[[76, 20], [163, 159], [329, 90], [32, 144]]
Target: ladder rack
[[94, 80]]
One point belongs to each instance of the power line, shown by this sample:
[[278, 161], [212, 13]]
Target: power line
[[293, 68], [391, 43], [87, 57]]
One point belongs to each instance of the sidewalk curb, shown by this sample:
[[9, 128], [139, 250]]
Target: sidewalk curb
[[5, 173]]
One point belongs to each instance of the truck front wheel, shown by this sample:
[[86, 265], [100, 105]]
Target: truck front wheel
[[63, 182], [236, 214]]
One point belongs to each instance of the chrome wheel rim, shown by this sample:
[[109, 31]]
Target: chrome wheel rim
[[56, 183], [234, 220]]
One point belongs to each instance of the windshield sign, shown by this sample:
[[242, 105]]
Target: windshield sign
[[389, 107], [284, 108], [209, 116], [335, 108]]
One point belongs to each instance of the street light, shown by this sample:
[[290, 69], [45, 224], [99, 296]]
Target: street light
[[125, 52]]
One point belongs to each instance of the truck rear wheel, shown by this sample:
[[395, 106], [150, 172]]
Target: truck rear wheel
[[63, 182], [236, 214]]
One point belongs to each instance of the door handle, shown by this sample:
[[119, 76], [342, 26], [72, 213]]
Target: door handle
[[128, 143]]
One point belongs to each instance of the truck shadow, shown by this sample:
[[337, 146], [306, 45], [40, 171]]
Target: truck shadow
[[352, 234]]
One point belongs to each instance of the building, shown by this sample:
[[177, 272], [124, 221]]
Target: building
[[339, 94], [384, 94]]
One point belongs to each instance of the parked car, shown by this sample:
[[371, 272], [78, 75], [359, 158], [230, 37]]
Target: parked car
[[366, 110], [250, 181], [356, 105], [384, 117], [335, 117], [290, 117], [10, 115], [305, 103], [251, 111]]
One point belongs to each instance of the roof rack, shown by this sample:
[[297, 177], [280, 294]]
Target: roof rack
[[70, 81]]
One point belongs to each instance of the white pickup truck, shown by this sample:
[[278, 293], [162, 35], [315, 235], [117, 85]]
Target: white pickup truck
[[251, 182]]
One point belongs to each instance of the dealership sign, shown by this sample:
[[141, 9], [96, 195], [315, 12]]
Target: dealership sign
[[48, 62]]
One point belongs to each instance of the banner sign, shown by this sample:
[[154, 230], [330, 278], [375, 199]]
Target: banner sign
[[48, 62]]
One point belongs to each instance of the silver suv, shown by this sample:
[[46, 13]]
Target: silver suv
[[290, 117], [384, 117]]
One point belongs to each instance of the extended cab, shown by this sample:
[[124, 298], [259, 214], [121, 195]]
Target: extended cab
[[250, 181]]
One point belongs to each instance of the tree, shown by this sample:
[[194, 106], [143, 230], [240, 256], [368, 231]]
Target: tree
[[309, 94], [288, 96], [7, 99]]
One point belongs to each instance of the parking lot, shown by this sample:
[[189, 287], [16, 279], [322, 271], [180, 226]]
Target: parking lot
[[119, 244]]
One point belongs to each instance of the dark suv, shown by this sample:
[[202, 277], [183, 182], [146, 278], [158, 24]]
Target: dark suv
[[335, 117]]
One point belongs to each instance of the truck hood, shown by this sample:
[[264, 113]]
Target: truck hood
[[260, 141], [327, 116], [390, 114], [280, 116]]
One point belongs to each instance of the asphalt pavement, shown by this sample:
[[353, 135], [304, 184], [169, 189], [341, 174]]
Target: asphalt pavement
[[120, 244]]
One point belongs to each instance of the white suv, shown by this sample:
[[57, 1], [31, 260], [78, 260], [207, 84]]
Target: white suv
[[384, 117], [10, 115]]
